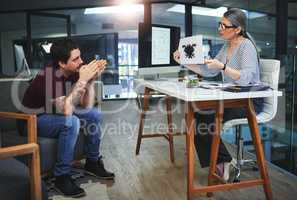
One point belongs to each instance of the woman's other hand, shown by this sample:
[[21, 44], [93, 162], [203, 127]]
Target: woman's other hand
[[176, 56], [214, 64]]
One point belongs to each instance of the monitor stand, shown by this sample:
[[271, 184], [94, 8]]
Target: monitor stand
[[154, 77], [24, 71]]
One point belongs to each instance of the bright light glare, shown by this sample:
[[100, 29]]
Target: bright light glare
[[121, 9], [253, 15], [47, 47], [212, 12]]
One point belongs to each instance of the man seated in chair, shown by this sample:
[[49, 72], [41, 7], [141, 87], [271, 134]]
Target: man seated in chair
[[62, 96]]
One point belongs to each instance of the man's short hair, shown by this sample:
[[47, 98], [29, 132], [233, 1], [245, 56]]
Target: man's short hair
[[61, 49]]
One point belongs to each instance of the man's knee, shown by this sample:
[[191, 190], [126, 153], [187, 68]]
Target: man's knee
[[95, 115]]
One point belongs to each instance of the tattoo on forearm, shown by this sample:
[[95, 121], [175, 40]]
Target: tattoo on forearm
[[78, 90], [89, 96], [59, 103]]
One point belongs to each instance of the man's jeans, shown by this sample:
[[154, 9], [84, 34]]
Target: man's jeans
[[67, 129]]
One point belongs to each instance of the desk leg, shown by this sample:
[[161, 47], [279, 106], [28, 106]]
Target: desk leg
[[215, 143], [170, 128], [190, 149], [142, 118], [251, 115]]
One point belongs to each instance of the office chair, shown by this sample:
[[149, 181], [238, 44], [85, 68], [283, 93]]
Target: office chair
[[269, 74]]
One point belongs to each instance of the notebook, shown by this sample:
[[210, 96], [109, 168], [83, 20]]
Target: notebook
[[247, 88]]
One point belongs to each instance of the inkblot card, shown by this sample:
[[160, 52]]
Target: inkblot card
[[191, 50]]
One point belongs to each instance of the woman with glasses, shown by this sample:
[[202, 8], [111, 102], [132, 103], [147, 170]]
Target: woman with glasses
[[238, 63]]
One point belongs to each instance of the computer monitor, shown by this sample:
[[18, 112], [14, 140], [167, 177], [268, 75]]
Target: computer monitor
[[22, 66], [155, 50], [160, 45]]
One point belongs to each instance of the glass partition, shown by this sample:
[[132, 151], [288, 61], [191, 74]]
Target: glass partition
[[279, 136], [292, 36], [263, 28], [45, 25], [10, 31], [170, 14]]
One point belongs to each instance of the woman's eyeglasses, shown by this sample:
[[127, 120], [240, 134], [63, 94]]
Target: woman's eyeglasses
[[224, 26]]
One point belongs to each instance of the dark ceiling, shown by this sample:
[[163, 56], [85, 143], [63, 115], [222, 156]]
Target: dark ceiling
[[267, 6], [17, 5], [21, 5]]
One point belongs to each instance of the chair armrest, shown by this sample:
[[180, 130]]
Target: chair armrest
[[35, 179], [30, 148], [31, 121], [18, 150]]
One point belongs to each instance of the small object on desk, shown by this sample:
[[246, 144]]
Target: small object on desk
[[182, 75], [213, 85], [191, 81]]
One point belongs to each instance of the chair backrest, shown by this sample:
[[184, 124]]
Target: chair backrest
[[269, 74]]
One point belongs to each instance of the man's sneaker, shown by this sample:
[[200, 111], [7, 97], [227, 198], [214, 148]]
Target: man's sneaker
[[66, 185], [227, 171], [97, 169]]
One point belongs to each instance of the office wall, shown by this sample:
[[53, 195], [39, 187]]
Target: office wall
[[51, 27]]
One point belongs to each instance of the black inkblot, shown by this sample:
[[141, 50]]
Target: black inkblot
[[189, 50]]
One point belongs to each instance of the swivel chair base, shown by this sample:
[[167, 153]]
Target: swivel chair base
[[241, 162]]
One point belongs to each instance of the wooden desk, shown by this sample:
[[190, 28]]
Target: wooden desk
[[199, 98]]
